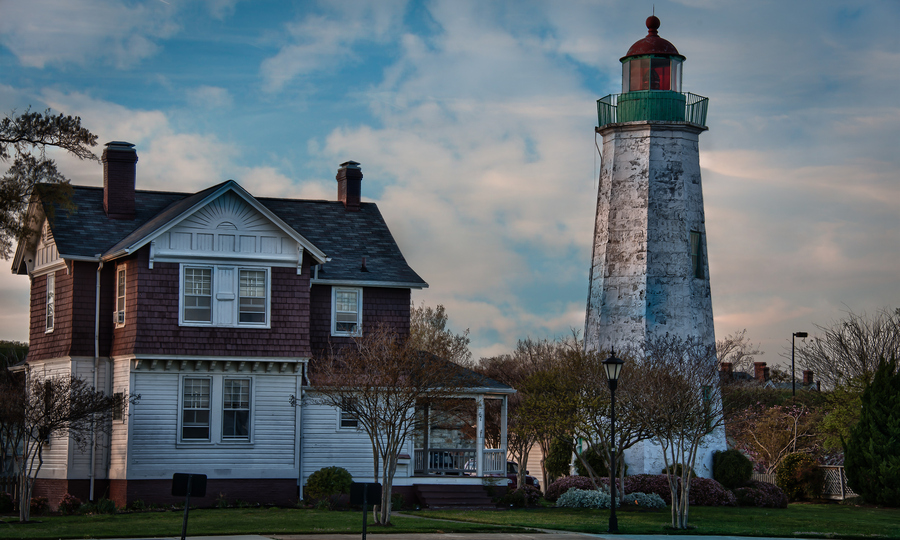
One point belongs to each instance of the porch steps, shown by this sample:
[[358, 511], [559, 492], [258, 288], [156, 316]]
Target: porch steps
[[455, 497]]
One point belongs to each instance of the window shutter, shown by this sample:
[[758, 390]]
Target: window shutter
[[226, 293]]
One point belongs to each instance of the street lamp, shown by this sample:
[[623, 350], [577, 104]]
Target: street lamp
[[793, 379], [613, 368]]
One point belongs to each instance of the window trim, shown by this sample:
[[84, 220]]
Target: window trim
[[249, 409], [216, 297], [696, 249], [50, 303], [121, 282], [181, 410], [345, 417], [359, 311]]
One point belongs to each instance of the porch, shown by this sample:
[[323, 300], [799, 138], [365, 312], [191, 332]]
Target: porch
[[455, 439]]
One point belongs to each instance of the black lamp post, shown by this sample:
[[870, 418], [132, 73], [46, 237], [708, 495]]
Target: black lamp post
[[794, 379], [613, 368]]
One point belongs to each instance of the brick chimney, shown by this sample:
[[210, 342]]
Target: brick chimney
[[807, 377], [119, 160], [349, 178], [759, 371], [726, 370]]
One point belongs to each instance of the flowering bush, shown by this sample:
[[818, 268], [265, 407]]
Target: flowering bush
[[584, 498], [703, 492], [39, 505], [520, 498], [761, 494], [566, 483], [644, 500], [69, 505]]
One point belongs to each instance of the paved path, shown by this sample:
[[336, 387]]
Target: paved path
[[549, 535]]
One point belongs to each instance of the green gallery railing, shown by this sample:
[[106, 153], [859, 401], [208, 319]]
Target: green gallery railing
[[652, 106]]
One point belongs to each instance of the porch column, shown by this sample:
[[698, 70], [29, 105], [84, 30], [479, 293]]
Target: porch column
[[504, 405], [479, 437]]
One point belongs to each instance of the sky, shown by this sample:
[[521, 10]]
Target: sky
[[474, 124]]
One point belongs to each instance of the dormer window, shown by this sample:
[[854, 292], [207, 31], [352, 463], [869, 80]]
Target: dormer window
[[219, 295]]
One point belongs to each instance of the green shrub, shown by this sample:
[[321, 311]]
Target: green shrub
[[327, 482], [677, 469], [398, 502], [732, 468], [799, 476], [872, 451], [560, 456], [138, 505], [596, 461], [521, 498], [643, 500]]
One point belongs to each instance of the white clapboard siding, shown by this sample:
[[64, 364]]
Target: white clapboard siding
[[154, 450], [56, 452], [325, 445], [119, 435], [80, 458]]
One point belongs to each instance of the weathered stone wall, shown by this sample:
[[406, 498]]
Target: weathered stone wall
[[648, 202]]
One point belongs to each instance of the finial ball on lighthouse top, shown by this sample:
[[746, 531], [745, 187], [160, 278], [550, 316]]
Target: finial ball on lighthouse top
[[652, 63]]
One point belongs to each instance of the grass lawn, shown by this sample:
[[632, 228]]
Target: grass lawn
[[798, 520], [221, 522]]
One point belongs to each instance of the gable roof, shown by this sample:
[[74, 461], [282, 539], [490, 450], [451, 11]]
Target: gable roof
[[327, 230]]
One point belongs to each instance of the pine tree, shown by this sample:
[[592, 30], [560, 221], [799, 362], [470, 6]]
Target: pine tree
[[872, 453]]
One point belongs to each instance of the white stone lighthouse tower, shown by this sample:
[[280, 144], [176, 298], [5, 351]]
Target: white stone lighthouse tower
[[649, 273]]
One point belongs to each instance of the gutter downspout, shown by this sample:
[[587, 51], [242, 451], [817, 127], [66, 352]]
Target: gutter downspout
[[91, 473]]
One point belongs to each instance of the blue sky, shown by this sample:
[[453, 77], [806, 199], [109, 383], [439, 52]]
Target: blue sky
[[474, 123]]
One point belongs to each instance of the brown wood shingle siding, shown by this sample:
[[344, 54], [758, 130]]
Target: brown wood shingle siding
[[390, 306]]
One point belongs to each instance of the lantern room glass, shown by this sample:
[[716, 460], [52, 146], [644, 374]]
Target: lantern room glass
[[651, 73]]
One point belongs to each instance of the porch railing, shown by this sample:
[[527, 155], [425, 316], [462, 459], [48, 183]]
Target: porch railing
[[455, 461], [494, 462]]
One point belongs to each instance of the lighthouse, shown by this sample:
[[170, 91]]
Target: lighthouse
[[649, 274]]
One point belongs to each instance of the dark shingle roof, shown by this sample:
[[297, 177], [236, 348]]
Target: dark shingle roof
[[345, 237]]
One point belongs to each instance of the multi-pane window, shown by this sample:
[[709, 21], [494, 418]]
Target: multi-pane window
[[236, 409], [346, 313], [348, 419], [51, 300], [120, 297], [195, 409], [198, 295], [696, 255], [252, 304]]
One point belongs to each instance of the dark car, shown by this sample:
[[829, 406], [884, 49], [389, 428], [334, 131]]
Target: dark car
[[512, 471]]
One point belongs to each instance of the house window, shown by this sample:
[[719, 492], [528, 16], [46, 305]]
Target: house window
[[346, 311], [253, 296], [118, 412], [236, 409], [120, 297], [195, 409], [198, 295], [222, 295], [348, 420], [51, 301], [696, 255]]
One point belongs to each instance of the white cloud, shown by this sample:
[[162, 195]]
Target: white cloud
[[210, 97], [41, 32], [317, 42]]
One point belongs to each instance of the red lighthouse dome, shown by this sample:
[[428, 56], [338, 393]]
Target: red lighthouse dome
[[652, 63]]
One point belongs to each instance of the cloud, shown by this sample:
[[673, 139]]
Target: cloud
[[209, 97], [41, 32], [318, 42]]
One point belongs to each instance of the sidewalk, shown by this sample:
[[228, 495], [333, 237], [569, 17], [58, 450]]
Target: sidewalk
[[538, 535]]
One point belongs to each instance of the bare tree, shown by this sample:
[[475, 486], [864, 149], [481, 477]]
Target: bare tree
[[593, 421], [737, 349], [428, 332], [25, 139], [681, 405], [847, 352], [379, 381], [58, 406]]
